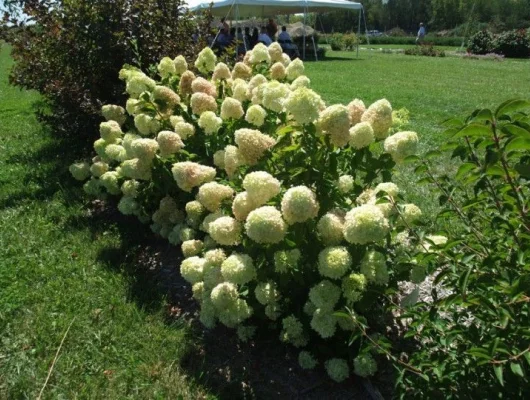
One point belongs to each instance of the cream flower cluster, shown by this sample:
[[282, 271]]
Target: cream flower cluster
[[258, 181]]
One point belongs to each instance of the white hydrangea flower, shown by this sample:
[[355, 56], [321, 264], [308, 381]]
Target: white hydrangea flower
[[233, 159], [261, 186], [110, 131], [169, 143], [146, 124], [116, 152], [185, 83], [99, 168], [240, 91], [252, 144], [335, 122], [379, 116], [181, 65], [225, 231], [210, 122], [324, 323], [401, 145], [80, 171], [356, 109], [191, 269], [274, 96], [221, 72], [325, 295], [265, 225], [389, 188], [275, 51], [373, 267], [189, 174], [132, 106], [128, 206], [231, 109], [241, 71], [201, 85], [224, 296], [260, 53], [295, 69], [301, 81], [286, 260], [361, 135], [166, 67], [130, 188], [267, 293], [299, 204], [201, 102], [242, 206], [365, 224], [411, 213], [286, 60], [191, 248], [138, 84], [256, 115], [114, 113], [206, 61], [346, 183], [337, 369], [238, 269], [353, 287], [136, 169], [304, 105], [334, 262], [278, 71], [212, 194], [109, 180], [144, 149], [330, 228]]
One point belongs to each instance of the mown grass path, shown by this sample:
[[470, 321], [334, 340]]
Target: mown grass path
[[58, 264]]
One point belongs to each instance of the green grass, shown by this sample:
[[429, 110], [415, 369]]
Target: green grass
[[59, 265]]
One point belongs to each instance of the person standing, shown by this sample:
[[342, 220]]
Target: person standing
[[421, 34], [272, 29]]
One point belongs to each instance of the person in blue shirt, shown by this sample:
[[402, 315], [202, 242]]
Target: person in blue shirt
[[421, 34]]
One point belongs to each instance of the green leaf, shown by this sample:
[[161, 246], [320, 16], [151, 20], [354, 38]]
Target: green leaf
[[515, 130], [511, 105], [464, 280], [495, 170], [516, 369], [464, 169], [527, 357], [483, 115], [473, 130], [517, 144], [523, 169], [411, 159], [452, 122], [432, 154], [498, 373], [420, 169]]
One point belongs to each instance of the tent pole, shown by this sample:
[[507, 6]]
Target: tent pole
[[303, 42], [313, 38], [359, 32]]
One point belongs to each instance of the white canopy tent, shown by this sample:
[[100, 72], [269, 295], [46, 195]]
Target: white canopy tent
[[237, 9]]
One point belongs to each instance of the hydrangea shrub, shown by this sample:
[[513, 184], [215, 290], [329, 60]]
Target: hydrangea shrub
[[283, 205]]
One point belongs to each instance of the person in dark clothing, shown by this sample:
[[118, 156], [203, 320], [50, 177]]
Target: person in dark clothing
[[254, 38], [272, 29]]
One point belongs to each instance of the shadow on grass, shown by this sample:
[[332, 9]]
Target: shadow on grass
[[262, 368]]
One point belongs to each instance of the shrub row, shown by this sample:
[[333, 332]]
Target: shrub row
[[513, 44], [74, 50], [282, 205], [433, 40]]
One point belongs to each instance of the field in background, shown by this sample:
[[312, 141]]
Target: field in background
[[59, 265]]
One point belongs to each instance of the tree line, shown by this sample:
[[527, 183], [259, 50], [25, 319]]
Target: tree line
[[436, 14]]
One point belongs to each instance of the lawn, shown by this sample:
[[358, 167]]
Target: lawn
[[61, 266]]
